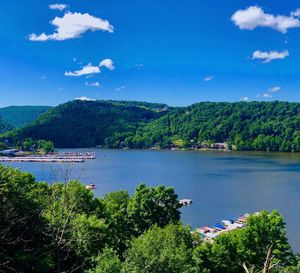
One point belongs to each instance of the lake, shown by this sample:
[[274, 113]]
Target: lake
[[221, 185]]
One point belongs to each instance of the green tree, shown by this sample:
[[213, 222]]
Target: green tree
[[24, 244], [27, 145], [106, 262], [153, 206], [116, 215], [249, 245], [295, 268], [3, 146], [161, 250], [75, 225], [263, 231], [45, 146]]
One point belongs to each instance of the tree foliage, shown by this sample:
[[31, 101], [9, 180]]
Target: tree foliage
[[153, 205], [63, 228], [23, 244], [106, 262], [260, 126], [41, 146], [4, 126], [161, 250], [86, 123], [20, 116]]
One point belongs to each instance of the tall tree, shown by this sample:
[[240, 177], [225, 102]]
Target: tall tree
[[24, 246], [161, 250], [153, 206]]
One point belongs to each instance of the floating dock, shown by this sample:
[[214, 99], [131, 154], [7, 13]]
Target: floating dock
[[67, 157], [185, 202], [210, 233]]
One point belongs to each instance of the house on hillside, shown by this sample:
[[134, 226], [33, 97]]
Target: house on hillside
[[220, 146]]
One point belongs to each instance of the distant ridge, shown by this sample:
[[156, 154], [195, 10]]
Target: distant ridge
[[19, 116]]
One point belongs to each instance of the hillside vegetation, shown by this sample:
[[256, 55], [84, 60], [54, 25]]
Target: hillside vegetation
[[261, 126], [87, 123], [19, 116], [4, 126]]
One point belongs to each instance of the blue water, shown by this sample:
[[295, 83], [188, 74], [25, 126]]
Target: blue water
[[221, 185]]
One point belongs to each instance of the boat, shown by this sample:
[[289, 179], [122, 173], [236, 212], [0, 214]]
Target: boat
[[91, 187], [209, 233], [219, 226], [231, 224]]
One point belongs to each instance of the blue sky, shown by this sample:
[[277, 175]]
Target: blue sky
[[175, 52]]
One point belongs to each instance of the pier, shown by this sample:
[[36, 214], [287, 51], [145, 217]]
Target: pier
[[66, 157]]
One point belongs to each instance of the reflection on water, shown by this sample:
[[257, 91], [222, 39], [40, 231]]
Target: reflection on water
[[221, 185]]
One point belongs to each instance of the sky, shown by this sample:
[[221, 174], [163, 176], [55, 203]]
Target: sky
[[174, 52]]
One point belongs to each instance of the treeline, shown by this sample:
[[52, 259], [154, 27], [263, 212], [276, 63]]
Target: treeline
[[257, 126], [30, 145], [40, 146], [63, 228]]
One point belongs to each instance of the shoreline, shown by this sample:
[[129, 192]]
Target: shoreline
[[186, 150]]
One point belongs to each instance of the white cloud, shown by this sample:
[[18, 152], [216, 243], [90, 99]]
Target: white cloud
[[245, 98], [86, 70], [59, 89], [139, 66], [264, 95], [268, 57], [84, 99], [120, 88], [90, 69], [267, 95], [209, 78], [274, 89], [108, 63], [72, 25], [60, 7], [254, 17], [270, 92], [43, 77], [296, 13], [92, 84]]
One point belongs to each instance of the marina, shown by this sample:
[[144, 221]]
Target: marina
[[66, 157], [209, 233]]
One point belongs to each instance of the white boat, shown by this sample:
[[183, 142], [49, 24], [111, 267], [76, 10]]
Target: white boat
[[90, 187]]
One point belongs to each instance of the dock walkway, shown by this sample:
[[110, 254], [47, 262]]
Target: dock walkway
[[67, 157]]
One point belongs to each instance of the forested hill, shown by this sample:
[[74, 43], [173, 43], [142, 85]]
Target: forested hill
[[19, 116], [88, 123], [264, 126], [4, 126]]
